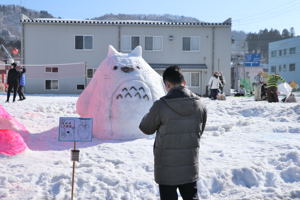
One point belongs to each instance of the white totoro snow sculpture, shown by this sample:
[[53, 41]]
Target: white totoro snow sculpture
[[122, 90]]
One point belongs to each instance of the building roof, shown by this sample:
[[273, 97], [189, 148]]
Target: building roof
[[182, 66], [27, 20], [292, 39]]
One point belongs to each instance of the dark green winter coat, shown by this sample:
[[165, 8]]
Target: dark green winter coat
[[179, 120]]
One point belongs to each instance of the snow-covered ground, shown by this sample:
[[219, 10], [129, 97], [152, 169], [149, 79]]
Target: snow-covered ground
[[250, 150]]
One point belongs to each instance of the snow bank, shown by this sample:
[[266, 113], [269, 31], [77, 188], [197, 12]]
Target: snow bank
[[242, 155]]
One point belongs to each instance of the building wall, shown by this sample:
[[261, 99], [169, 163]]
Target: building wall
[[55, 43], [223, 55], [68, 76], [286, 59]]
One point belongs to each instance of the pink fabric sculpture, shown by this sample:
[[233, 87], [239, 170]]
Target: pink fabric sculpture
[[11, 141]]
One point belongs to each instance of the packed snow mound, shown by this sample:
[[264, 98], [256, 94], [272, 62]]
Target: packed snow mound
[[11, 142], [122, 90]]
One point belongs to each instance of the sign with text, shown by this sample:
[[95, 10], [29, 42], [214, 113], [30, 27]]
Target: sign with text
[[252, 60], [74, 129]]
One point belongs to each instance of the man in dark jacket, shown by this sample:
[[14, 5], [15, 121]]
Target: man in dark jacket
[[179, 120], [13, 79]]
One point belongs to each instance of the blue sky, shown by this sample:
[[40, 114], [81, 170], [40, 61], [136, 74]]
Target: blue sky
[[250, 16]]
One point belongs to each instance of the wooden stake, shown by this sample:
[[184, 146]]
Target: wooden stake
[[73, 175]]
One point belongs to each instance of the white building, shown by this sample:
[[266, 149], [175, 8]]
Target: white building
[[284, 58], [199, 48]]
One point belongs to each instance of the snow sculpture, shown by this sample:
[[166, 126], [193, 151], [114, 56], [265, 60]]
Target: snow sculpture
[[11, 142], [122, 90]]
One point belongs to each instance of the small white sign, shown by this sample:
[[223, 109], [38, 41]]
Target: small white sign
[[74, 129]]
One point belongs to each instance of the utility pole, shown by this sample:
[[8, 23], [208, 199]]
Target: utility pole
[[9, 57]]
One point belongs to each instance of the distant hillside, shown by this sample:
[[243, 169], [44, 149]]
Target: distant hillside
[[165, 17], [10, 27]]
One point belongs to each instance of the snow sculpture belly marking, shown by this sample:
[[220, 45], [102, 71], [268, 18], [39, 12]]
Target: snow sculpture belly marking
[[122, 90], [129, 110], [133, 92]]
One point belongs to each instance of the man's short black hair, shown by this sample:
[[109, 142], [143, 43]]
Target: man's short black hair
[[173, 75], [14, 64]]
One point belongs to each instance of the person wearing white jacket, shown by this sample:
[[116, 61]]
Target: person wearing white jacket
[[214, 84]]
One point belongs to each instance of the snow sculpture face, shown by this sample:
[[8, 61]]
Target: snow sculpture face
[[121, 92]]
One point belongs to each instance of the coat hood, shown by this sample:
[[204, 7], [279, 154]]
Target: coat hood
[[181, 100]]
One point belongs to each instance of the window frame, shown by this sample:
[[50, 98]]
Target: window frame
[[189, 81], [78, 85], [130, 37], [51, 84], [274, 53], [292, 50], [290, 67], [195, 86], [284, 52], [273, 67], [51, 70], [284, 69], [191, 44], [93, 69], [154, 36], [83, 44]]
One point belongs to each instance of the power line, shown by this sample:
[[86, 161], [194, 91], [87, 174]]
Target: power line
[[266, 16], [276, 9]]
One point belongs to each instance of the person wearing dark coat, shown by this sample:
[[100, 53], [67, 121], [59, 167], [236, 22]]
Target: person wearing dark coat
[[179, 119], [13, 79], [21, 85]]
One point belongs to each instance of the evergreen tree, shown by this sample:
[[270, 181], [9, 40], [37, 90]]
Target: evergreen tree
[[259, 42]]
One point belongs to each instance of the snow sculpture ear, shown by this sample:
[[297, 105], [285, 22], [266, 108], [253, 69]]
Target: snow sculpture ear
[[112, 51], [137, 52]]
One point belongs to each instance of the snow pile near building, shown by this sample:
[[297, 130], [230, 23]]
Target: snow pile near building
[[11, 131], [121, 92], [250, 150]]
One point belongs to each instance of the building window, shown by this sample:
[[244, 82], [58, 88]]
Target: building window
[[273, 53], [284, 51], [51, 69], [187, 78], [279, 68], [128, 43], [190, 43], [153, 43], [195, 79], [292, 67], [80, 87], [90, 73], [293, 50], [280, 52], [192, 79], [51, 84], [284, 68], [83, 42], [273, 69]]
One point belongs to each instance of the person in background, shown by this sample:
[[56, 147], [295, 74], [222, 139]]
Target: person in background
[[13, 79], [258, 82], [179, 119], [214, 84], [272, 84], [22, 84], [264, 91], [223, 82], [241, 91]]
